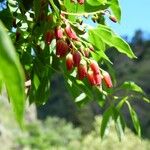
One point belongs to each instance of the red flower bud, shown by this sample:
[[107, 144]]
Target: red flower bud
[[82, 70], [98, 79], [107, 79], [81, 1], [49, 37], [90, 77], [76, 58], [94, 79], [70, 33], [58, 32], [95, 67], [69, 62], [112, 18], [61, 48]]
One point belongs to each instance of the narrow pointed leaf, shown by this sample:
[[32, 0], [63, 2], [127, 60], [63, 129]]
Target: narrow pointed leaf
[[12, 74], [99, 46], [130, 85], [96, 2], [105, 121], [113, 40], [135, 120], [119, 123]]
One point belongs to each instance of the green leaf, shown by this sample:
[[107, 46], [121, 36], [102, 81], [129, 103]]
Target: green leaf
[[7, 18], [96, 40], [96, 2], [87, 7], [135, 120], [43, 91], [73, 91], [130, 85], [77, 86], [120, 126], [83, 87], [80, 91], [73, 7], [121, 103], [54, 7], [113, 40], [146, 99], [12, 74], [99, 96], [41, 75], [119, 123], [36, 81], [1, 84], [98, 55], [81, 97], [99, 46], [115, 7], [36, 8], [105, 121], [40, 90]]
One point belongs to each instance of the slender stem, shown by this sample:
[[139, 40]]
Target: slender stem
[[82, 14]]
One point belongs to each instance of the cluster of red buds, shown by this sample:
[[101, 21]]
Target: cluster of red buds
[[89, 69], [77, 56]]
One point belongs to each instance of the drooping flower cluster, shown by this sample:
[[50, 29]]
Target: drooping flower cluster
[[77, 55]]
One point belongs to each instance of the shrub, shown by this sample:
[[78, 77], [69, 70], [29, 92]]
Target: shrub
[[57, 134]]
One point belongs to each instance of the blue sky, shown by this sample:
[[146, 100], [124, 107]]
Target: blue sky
[[135, 15]]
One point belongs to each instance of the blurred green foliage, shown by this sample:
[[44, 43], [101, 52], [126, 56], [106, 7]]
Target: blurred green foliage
[[61, 104], [57, 134]]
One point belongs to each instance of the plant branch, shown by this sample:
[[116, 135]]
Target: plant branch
[[83, 14]]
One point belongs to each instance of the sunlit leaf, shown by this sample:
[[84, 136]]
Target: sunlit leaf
[[113, 40], [99, 45], [12, 74], [121, 103], [119, 123], [105, 121], [130, 85], [81, 97], [96, 2], [146, 99], [135, 120]]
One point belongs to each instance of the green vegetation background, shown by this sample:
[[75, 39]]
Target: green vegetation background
[[57, 134]]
